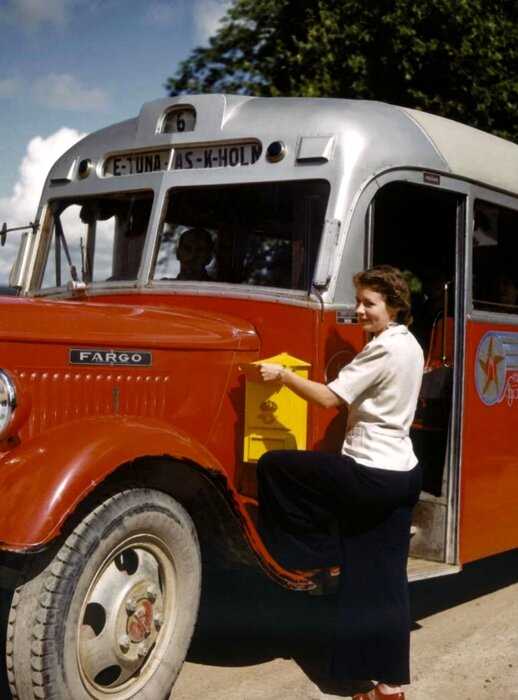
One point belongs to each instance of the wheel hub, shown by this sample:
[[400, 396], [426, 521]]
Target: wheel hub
[[139, 619], [140, 623], [123, 615]]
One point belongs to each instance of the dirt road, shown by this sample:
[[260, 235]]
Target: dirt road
[[255, 641]]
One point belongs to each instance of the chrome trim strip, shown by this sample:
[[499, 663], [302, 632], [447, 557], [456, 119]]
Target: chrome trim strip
[[499, 319], [454, 462], [295, 299]]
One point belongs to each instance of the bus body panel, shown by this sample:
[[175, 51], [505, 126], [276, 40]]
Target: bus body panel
[[326, 339], [83, 321], [489, 476], [78, 439], [44, 479]]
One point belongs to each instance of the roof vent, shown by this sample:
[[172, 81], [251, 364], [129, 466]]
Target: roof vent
[[317, 149]]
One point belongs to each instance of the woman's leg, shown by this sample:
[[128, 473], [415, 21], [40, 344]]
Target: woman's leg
[[373, 631], [302, 495], [298, 506]]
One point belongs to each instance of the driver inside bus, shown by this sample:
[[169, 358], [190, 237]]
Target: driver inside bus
[[194, 252]]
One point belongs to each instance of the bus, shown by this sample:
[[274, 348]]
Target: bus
[[172, 252]]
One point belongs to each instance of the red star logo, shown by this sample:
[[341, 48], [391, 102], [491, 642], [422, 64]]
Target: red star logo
[[490, 368]]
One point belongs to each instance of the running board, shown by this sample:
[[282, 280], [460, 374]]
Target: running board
[[420, 569]]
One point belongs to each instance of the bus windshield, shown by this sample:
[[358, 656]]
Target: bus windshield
[[96, 239], [256, 234]]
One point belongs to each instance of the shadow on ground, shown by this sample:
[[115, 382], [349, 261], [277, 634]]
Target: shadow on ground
[[246, 619]]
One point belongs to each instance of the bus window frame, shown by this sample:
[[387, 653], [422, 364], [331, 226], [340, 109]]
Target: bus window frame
[[498, 199], [358, 225], [241, 291], [42, 245]]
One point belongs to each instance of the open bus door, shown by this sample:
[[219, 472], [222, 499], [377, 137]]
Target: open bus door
[[419, 229]]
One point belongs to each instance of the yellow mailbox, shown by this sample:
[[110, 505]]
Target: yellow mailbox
[[275, 417]]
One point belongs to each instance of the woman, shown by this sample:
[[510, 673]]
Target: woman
[[354, 509]]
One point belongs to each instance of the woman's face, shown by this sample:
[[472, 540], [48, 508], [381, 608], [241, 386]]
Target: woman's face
[[372, 311]]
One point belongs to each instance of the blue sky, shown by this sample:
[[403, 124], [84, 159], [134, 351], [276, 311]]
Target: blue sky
[[68, 67]]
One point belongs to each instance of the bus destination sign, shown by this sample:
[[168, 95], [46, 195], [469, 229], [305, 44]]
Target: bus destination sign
[[137, 163], [216, 156], [219, 156]]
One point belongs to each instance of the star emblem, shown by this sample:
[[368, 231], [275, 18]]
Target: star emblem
[[489, 366]]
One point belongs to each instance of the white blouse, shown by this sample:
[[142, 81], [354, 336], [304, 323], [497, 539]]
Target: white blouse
[[381, 386]]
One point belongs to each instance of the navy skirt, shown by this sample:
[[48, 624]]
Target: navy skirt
[[319, 510]]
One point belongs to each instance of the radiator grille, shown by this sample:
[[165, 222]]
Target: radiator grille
[[58, 397]]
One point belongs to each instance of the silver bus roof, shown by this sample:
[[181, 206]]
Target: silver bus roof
[[371, 137]]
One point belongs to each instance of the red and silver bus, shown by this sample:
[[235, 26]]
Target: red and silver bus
[[129, 433]]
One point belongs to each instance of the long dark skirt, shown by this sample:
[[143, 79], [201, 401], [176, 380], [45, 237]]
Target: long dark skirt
[[319, 510]]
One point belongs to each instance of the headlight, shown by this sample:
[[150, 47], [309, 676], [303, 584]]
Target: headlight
[[7, 402]]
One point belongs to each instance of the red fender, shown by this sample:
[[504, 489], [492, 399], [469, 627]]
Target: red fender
[[43, 481]]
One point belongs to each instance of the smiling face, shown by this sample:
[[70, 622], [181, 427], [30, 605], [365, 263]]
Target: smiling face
[[372, 311]]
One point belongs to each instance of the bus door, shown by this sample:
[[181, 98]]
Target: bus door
[[417, 229], [489, 512]]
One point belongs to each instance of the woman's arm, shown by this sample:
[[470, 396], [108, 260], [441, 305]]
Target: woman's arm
[[306, 388]]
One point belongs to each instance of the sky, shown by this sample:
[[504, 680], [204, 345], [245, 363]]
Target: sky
[[69, 67]]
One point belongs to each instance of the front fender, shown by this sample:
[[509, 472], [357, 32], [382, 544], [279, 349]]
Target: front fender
[[42, 481]]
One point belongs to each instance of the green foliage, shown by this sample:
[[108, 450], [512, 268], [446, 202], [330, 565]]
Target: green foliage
[[457, 58]]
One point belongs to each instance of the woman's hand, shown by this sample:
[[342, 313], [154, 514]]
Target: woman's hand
[[305, 388], [271, 372]]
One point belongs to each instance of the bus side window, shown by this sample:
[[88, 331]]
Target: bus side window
[[264, 235], [495, 248]]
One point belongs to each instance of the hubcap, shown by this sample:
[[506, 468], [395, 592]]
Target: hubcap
[[127, 616]]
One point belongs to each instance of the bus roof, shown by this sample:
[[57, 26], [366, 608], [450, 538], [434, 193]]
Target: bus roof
[[371, 136], [471, 153]]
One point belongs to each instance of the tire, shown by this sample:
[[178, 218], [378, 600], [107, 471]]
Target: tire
[[112, 614]]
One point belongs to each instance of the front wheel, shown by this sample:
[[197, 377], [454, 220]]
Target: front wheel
[[112, 614]]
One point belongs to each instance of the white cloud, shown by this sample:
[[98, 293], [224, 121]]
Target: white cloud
[[64, 91], [9, 87], [207, 15], [31, 13], [20, 208]]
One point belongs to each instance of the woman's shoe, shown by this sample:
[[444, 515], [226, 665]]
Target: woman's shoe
[[365, 696]]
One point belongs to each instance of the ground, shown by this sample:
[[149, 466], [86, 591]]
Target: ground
[[256, 641]]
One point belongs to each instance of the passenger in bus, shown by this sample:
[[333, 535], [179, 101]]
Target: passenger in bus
[[194, 252], [354, 509]]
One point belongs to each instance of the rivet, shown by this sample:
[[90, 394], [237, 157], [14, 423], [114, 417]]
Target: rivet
[[151, 593], [142, 649], [124, 642]]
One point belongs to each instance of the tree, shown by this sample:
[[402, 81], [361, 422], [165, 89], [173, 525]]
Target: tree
[[456, 58]]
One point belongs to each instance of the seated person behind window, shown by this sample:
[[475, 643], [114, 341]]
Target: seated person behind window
[[194, 253]]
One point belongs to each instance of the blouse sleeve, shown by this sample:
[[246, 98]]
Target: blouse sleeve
[[367, 368]]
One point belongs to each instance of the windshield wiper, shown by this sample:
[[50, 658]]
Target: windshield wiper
[[60, 236]]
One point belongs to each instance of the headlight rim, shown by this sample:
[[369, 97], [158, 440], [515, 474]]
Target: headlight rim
[[12, 403]]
